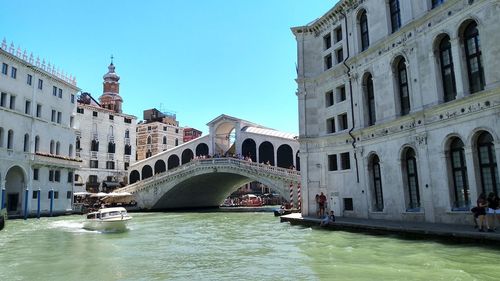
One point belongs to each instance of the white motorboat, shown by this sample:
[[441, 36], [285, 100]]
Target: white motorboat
[[107, 220]]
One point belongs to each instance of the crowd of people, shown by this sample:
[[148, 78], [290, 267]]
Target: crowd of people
[[486, 212]]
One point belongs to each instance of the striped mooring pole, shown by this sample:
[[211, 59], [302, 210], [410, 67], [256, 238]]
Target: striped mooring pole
[[299, 198], [291, 195]]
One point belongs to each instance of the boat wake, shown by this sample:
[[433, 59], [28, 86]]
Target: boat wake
[[69, 226]]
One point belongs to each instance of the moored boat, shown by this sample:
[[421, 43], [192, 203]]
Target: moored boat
[[3, 218], [107, 220]]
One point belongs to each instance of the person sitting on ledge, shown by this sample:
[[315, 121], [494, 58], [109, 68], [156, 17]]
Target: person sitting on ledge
[[328, 220]]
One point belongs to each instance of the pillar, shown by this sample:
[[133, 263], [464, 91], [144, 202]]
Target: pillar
[[458, 68]]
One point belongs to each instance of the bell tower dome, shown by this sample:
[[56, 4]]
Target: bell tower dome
[[110, 97]]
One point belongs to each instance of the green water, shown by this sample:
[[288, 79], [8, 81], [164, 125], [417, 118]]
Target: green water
[[227, 246]]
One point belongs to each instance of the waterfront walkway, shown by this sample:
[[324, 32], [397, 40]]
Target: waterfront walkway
[[448, 232]]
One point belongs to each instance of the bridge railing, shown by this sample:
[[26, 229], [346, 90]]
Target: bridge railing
[[212, 162]]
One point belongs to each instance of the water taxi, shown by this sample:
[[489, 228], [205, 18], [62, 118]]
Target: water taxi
[[107, 220]]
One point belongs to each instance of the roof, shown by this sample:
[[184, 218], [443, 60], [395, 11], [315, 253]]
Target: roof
[[268, 132]]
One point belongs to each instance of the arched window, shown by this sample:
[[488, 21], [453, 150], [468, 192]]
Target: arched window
[[94, 145], [363, 27], [26, 143], [395, 15], [77, 143], [148, 153], [411, 174], [52, 147], [70, 150], [10, 139], [487, 164], [111, 131], [164, 140], [149, 140], [460, 186], [127, 134], [447, 73], [370, 100], [128, 149], [473, 57], [176, 142], [404, 92], [37, 143], [378, 202], [111, 147], [1, 137], [58, 147]]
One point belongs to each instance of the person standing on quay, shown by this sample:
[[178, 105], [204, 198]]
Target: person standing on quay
[[482, 204], [322, 202], [493, 210]]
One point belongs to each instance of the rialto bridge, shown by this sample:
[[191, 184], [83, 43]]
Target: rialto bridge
[[204, 171]]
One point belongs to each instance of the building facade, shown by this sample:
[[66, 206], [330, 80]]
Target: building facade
[[105, 138], [37, 136], [158, 132], [191, 134], [399, 105]]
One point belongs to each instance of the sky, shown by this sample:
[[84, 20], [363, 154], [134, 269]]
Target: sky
[[195, 58]]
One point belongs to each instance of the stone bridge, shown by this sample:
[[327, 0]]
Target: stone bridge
[[182, 177], [207, 182]]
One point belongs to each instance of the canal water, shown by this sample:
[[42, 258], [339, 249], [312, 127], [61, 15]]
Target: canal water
[[228, 246]]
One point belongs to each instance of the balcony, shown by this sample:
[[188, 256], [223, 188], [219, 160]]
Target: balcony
[[93, 154], [111, 157], [126, 158], [111, 138]]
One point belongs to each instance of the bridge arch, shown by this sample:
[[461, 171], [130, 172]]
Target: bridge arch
[[249, 149], [173, 161], [134, 176], [160, 166], [187, 156], [201, 149], [147, 172], [266, 153], [284, 156]]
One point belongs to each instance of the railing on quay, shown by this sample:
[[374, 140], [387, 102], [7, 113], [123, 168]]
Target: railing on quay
[[213, 162]]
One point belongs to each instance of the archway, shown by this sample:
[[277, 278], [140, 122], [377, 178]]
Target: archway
[[202, 149], [160, 166], [147, 172], [224, 139], [14, 186], [187, 156], [173, 161], [266, 153], [249, 149], [134, 176], [284, 156]]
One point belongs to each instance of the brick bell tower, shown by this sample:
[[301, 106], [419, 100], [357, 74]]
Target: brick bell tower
[[110, 97]]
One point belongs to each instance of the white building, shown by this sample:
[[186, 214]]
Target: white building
[[105, 138], [399, 108], [37, 138]]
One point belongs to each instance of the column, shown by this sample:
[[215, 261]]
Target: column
[[435, 78], [458, 66]]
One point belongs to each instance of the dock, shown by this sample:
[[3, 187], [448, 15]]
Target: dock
[[418, 230]]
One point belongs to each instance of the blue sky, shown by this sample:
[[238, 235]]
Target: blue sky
[[198, 59]]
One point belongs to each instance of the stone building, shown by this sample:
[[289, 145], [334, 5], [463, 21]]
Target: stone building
[[191, 134], [399, 105], [105, 138], [158, 132], [37, 136]]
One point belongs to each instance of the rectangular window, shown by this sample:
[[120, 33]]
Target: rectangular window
[[27, 107], [29, 79], [340, 55], [56, 194], [436, 3], [72, 98], [332, 162], [110, 165], [51, 175], [330, 125], [164, 128], [40, 84], [60, 93], [35, 174], [348, 206], [111, 117], [328, 61], [79, 110], [5, 68], [13, 72], [343, 125], [70, 176], [54, 91], [94, 164], [329, 98], [93, 178], [53, 116], [59, 117], [94, 113], [345, 161], [127, 120], [176, 131], [327, 41], [12, 104], [35, 194], [126, 164], [50, 194], [39, 110], [338, 34], [3, 100], [57, 176], [68, 194], [341, 93]]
